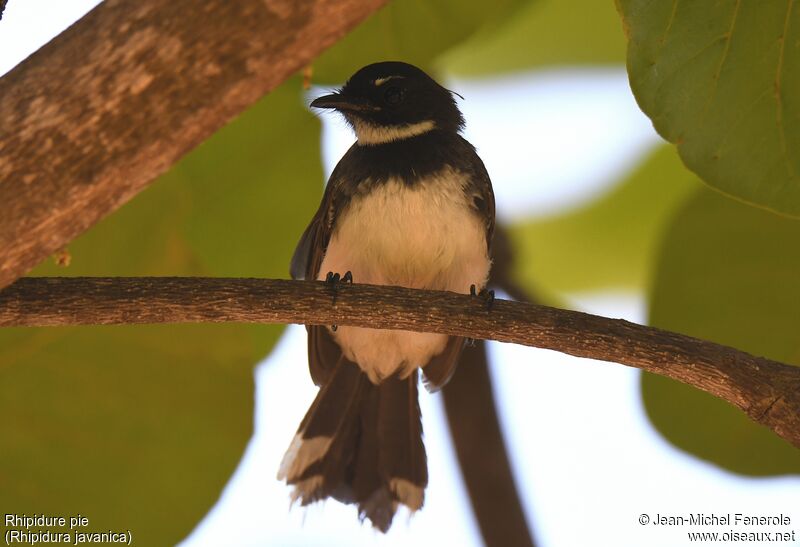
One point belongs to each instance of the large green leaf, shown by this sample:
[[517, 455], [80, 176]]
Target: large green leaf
[[140, 427], [728, 273], [543, 33], [722, 81], [414, 31], [609, 242]]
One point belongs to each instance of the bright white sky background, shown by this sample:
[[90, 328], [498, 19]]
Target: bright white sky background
[[584, 478]]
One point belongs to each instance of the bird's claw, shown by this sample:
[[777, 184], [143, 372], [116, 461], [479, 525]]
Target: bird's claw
[[333, 280], [486, 295]]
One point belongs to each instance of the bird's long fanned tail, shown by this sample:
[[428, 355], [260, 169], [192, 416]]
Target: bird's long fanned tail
[[401, 456], [360, 443]]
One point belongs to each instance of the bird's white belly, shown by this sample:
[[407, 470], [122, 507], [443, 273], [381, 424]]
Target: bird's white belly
[[424, 236]]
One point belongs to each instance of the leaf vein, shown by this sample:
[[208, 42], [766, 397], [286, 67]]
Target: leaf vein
[[665, 79], [669, 24], [728, 37]]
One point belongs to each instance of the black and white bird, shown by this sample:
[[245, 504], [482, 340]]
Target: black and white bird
[[409, 204]]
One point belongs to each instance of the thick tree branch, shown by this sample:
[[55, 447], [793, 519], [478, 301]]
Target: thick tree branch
[[768, 391], [94, 116]]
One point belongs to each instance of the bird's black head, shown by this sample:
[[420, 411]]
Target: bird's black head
[[391, 101]]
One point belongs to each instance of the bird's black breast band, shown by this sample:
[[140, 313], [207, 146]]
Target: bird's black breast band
[[409, 160]]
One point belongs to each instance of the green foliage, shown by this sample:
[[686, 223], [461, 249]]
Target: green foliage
[[142, 426], [727, 273], [607, 243], [134, 427], [722, 81], [414, 31], [543, 33]]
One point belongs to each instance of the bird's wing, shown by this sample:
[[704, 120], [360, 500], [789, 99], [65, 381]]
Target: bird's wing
[[482, 194], [298, 267], [323, 352], [441, 368], [310, 250]]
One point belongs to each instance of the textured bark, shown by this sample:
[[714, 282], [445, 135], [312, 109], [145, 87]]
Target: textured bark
[[768, 391], [94, 116]]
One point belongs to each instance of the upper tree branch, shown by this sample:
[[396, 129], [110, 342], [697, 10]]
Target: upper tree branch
[[94, 116], [768, 391]]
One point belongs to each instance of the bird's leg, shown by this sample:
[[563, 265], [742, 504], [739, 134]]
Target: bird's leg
[[333, 280]]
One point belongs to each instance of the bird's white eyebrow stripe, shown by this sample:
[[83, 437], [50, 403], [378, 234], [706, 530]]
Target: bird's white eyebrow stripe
[[381, 81]]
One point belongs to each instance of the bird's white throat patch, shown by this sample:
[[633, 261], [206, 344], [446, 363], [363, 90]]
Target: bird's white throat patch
[[369, 134]]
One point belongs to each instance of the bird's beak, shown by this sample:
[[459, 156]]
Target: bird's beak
[[339, 101]]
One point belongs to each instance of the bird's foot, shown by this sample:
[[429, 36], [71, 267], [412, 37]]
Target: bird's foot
[[486, 295], [333, 281]]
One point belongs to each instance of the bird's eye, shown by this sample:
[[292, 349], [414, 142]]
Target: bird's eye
[[393, 96]]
